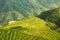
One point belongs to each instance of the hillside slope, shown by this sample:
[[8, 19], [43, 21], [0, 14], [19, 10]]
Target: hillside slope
[[18, 9], [40, 29], [51, 15]]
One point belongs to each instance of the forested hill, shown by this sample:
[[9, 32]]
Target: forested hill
[[51, 15], [18, 9]]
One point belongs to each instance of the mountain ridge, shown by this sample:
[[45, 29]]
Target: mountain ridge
[[24, 8]]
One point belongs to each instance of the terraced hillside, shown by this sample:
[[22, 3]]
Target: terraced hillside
[[18, 9], [18, 21], [18, 34], [29, 28]]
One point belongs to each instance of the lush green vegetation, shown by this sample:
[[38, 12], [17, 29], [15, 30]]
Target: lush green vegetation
[[52, 16], [31, 25], [18, 9], [18, 20], [18, 34]]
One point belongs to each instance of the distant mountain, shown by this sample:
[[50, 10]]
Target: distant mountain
[[52, 16], [18, 9]]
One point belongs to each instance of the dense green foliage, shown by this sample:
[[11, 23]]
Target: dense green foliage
[[18, 9], [55, 16], [52, 16]]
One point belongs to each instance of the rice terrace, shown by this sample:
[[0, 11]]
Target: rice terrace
[[29, 19]]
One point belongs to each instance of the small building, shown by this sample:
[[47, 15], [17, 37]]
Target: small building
[[11, 22]]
